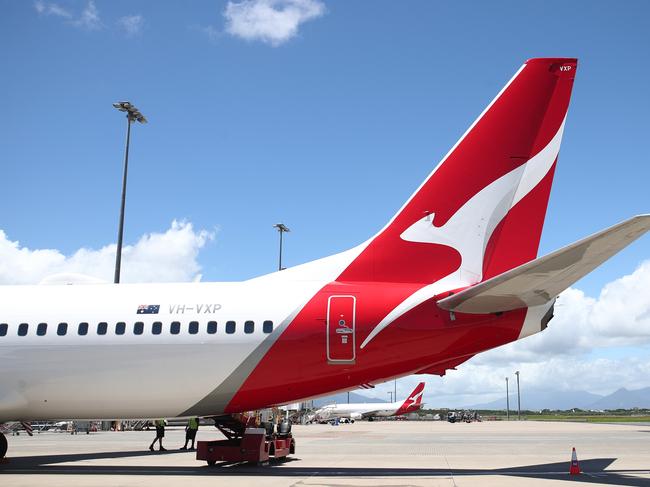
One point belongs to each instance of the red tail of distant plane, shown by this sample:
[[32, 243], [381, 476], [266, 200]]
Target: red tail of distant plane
[[413, 402]]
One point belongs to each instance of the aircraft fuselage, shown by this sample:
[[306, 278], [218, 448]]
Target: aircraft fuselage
[[216, 350]]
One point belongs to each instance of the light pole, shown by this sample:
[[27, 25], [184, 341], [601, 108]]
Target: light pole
[[518, 398], [507, 402], [282, 228], [348, 397], [391, 395], [395, 386], [132, 115]]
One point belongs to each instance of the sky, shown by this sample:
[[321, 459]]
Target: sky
[[324, 115]]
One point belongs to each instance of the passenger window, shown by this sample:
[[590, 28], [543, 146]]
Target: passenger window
[[138, 328], [102, 327], [267, 327], [156, 328], [42, 329], [62, 329], [194, 327], [22, 329], [212, 327], [3, 329], [83, 328], [175, 328], [249, 327], [230, 327], [120, 328]]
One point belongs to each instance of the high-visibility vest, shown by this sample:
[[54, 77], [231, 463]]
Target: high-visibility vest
[[194, 424], [160, 423]]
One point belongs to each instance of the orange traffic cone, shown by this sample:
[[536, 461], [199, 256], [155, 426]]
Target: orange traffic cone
[[574, 469]]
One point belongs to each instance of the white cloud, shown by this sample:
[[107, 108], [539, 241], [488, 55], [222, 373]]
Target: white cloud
[[89, 18], [620, 316], [156, 257], [596, 375], [131, 24], [50, 8], [270, 21]]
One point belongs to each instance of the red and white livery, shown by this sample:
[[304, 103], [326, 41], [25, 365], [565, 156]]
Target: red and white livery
[[454, 273]]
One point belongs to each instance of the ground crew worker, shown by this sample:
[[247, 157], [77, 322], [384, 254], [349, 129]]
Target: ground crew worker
[[160, 434], [190, 432]]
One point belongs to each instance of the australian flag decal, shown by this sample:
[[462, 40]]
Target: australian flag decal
[[148, 309]]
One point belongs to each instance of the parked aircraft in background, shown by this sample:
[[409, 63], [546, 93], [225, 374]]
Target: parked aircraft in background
[[452, 274], [356, 411]]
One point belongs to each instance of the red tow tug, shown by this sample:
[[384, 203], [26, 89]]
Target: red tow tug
[[247, 440]]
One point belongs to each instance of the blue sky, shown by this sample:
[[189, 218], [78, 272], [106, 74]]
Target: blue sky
[[329, 132], [328, 127]]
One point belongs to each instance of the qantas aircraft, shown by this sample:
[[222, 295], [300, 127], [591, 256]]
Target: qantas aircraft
[[452, 274], [372, 410]]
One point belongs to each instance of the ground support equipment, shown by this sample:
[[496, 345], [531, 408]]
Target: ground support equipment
[[247, 444]]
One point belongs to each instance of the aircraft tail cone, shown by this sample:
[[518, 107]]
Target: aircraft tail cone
[[574, 469]]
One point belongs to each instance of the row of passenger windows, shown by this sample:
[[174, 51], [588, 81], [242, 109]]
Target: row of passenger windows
[[139, 327]]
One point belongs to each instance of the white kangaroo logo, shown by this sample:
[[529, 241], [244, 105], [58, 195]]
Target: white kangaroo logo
[[468, 231], [414, 399], [470, 228]]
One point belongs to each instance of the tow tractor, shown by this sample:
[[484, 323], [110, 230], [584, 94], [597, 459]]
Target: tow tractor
[[247, 440]]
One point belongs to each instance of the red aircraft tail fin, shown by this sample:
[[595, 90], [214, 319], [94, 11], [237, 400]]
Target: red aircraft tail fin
[[413, 402], [481, 211]]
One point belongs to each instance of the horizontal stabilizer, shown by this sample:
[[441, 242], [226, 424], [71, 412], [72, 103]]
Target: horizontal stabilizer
[[542, 279]]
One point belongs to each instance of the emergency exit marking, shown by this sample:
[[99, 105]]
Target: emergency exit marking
[[341, 350]]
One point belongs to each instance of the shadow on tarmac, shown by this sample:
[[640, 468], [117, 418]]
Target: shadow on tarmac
[[593, 469]]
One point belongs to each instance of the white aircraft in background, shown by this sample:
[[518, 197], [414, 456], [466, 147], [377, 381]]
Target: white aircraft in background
[[454, 273], [355, 411]]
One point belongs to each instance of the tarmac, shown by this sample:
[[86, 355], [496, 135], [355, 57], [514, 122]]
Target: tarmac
[[387, 453]]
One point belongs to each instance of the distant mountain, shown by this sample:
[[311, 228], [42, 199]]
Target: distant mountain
[[537, 400], [624, 399], [342, 398], [534, 400]]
